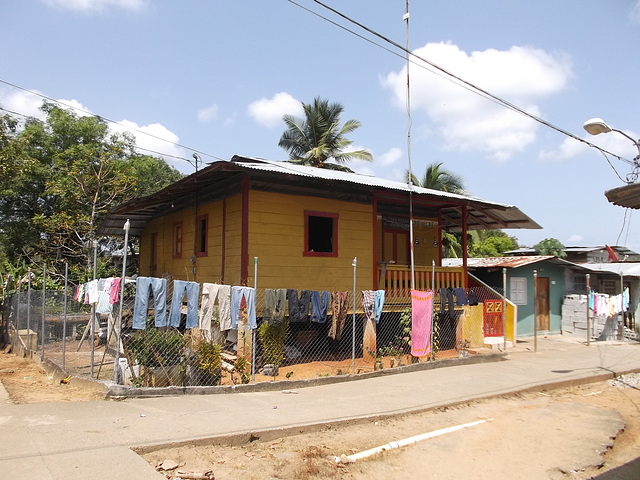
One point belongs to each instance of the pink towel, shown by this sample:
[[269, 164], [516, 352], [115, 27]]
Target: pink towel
[[421, 314]]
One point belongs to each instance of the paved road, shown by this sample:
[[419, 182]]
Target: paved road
[[94, 439]]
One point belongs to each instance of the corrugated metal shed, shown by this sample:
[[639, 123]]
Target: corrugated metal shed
[[222, 178]]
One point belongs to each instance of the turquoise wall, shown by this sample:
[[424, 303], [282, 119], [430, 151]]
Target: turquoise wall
[[554, 272]]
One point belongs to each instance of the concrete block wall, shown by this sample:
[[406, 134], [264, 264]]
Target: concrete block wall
[[574, 320]]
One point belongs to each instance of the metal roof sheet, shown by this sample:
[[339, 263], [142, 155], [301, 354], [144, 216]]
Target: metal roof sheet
[[509, 262], [481, 214]]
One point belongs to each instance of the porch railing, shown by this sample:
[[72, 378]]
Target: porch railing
[[396, 281]]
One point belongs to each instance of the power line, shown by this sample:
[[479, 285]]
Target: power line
[[444, 73], [126, 127]]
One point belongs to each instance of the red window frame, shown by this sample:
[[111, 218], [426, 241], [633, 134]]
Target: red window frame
[[177, 240], [334, 217]]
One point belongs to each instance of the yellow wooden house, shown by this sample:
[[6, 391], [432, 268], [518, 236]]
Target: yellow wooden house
[[305, 226]]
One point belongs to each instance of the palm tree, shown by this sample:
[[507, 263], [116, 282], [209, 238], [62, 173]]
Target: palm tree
[[436, 178], [318, 137]]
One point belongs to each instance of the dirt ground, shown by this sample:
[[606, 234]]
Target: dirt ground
[[27, 382], [560, 434]]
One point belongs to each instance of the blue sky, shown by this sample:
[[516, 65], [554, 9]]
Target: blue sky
[[216, 77]]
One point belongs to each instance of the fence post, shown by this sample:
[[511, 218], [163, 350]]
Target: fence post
[[353, 326], [535, 311], [92, 328], [64, 314], [116, 368], [588, 322], [44, 296], [433, 289], [253, 333], [29, 311], [504, 309], [18, 309]]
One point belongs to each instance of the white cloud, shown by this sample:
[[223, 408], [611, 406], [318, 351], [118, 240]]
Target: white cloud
[[208, 113], [155, 140], [574, 239], [389, 157], [269, 111], [92, 6], [466, 121], [569, 148], [29, 103], [634, 14]]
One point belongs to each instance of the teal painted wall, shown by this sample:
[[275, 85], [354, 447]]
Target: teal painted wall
[[554, 272]]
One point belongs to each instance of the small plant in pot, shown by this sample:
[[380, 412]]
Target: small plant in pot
[[377, 358], [395, 351]]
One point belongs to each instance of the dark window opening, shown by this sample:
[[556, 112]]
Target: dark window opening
[[201, 236], [321, 232]]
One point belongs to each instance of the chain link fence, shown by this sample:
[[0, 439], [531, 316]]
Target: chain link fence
[[165, 332]]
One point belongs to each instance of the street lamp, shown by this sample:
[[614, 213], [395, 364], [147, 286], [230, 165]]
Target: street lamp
[[596, 126], [628, 195]]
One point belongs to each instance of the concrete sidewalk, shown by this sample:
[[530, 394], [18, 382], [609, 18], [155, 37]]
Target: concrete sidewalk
[[94, 439]]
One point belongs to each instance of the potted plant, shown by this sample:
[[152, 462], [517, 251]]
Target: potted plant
[[395, 351], [377, 358], [463, 350]]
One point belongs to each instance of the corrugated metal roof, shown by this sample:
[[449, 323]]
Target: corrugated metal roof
[[481, 214], [625, 196], [628, 269], [508, 262], [356, 178]]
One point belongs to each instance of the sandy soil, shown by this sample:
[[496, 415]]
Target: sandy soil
[[560, 434], [27, 382]]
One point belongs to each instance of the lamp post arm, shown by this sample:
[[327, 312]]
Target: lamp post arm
[[635, 142]]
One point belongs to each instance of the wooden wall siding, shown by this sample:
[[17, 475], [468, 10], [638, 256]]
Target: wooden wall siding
[[208, 269], [425, 252], [233, 242], [276, 237]]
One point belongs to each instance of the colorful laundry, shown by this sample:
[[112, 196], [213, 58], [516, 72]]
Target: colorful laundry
[[421, 316]]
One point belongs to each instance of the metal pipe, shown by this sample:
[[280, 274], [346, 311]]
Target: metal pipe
[[504, 307], [64, 315], [353, 325], [116, 368], [535, 310], [588, 320], [44, 295], [92, 329], [253, 333]]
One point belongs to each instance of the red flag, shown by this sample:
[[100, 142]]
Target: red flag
[[612, 255]]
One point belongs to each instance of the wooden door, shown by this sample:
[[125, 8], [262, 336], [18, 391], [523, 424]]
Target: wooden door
[[396, 246], [542, 303]]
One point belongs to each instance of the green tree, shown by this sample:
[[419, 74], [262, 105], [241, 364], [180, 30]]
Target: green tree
[[318, 137], [437, 178], [550, 246], [62, 175], [490, 243]]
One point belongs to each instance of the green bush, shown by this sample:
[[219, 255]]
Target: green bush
[[157, 348], [209, 363], [272, 339]]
